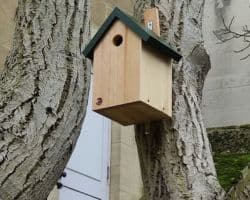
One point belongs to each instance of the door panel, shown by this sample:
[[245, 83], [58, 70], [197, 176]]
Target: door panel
[[88, 166], [69, 194], [90, 146]]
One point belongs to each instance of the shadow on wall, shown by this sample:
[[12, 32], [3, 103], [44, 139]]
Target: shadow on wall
[[222, 3], [227, 88]]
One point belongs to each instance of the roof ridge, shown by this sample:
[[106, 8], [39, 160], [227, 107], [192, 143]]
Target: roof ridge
[[145, 34]]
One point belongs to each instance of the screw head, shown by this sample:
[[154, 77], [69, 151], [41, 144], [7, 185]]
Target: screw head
[[64, 174], [99, 101], [59, 185]]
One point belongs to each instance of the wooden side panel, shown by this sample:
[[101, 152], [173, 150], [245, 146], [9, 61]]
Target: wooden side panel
[[116, 68], [156, 80]]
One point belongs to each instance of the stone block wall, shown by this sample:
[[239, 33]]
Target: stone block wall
[[100, 9], [7, 14], [227, 88], [126, 181], [232, 139]]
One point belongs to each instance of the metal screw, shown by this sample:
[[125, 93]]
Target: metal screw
[[64, 174], [150, 25], [59, 185], [99, 101]]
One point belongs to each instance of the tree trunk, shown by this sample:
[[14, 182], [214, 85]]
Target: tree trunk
[[175, 157], [241, 191], [43, 96]]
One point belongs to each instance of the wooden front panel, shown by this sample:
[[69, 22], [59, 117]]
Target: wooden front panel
[[116, 68], [156, 79]]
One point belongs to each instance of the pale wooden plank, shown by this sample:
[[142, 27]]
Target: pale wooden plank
[[152, 15], [108, 64], [133, 79], [116, 68], [156, 80], [132, 67], [133, 113]]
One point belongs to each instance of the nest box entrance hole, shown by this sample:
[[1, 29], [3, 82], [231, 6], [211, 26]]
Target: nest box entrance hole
[[117, 40]]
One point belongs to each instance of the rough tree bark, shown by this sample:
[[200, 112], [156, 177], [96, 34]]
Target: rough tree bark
[[241, 191], [176, 160], [43, 96]]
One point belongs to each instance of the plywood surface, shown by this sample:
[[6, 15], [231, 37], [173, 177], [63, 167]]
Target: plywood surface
[[116, 68], [133, 113], [132, 81], [156, 79]]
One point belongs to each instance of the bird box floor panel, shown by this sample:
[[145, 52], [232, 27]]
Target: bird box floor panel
[[132, 113]]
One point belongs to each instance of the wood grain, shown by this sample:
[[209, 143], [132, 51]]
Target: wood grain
[[152, 15], [116, 68], [133, 113], [156, 79], [132, 81]]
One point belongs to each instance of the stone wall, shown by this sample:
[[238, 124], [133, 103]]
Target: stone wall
[[100, 9], [7, 14], [227, 88], [232, 139], [126, 181]]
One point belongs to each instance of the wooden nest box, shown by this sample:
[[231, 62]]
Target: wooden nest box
[[132, 80]]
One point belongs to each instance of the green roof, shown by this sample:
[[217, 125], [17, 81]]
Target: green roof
[[145, 34]]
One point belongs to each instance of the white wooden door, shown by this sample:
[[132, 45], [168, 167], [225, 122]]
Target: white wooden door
[[88, 168]]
